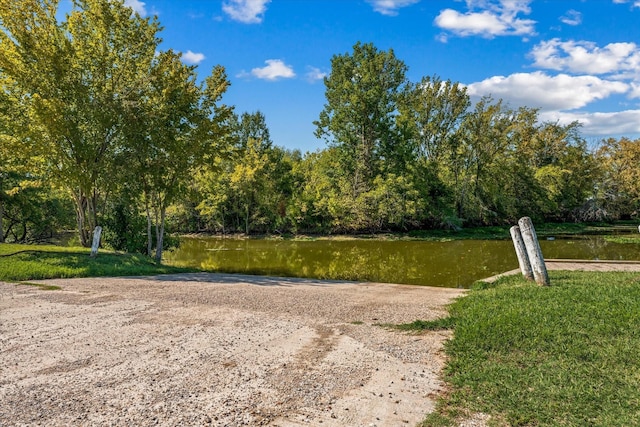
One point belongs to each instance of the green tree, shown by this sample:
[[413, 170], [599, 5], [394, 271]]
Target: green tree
[[30, 210], [75, 79], [565, 169], [483, 138], [251, 190], [362, 93], [619, 186], [253, 126], [180, 128], [322, 200], [431, 111]]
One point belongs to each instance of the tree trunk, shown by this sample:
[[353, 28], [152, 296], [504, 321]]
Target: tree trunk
[[246, 220], [92, 205], [1, 223], [160, 235], [149, 223], [80, 202]]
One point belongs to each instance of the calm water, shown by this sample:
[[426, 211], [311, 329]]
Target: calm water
[[450, 264]]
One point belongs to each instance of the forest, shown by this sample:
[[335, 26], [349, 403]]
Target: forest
[[99, 126]]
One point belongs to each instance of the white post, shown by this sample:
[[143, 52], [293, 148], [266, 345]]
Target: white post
[[96, 240], [533, 251], [521, 252]]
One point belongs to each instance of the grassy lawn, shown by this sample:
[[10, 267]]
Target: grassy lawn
[[564, 355], [28, 262]]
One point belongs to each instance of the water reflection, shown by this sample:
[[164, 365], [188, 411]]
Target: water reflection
[[449, 264]]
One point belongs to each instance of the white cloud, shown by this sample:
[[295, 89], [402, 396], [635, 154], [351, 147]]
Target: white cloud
[[586, 57], [572, 17], [192, 58], [492, 18], [390, 7], [635, 91], [539, 90], [599, 124], [634, 3], [137, 6], [314, 74], [274, 70], [246, 11]]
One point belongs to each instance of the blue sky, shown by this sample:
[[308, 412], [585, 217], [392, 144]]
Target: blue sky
[[575, 60]]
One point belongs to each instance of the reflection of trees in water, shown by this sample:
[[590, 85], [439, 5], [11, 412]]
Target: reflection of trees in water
[[456, 263], [589, 247]]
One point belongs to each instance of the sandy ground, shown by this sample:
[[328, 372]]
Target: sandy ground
[[220, 350]]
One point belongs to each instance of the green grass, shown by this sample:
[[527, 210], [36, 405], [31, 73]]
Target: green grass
[[41, 286], [441, 324], [564, 355], [630, 238], [20, 263]]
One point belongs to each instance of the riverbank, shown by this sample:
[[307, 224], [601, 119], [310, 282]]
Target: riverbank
[[564, 354], [221, 350], [481, 233]]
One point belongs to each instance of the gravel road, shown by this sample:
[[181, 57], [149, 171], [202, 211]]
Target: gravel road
[[217, 350]]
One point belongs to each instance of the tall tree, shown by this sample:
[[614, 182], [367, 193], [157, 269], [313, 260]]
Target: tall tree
[[250, 190], [362, 92], [77, 78], [432, 110], [620, 183], [484, 138], [175, 127], [253, 126]]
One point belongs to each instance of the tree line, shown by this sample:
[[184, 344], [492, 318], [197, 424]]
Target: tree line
[[99, 126]]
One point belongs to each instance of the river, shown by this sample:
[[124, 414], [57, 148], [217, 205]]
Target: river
[[456, 263]]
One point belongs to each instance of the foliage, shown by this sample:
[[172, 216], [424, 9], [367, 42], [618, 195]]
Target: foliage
[[125, 228], [248, 190], [618, 191], [173, 133], [559, 355], [362, 92], [32, 212], [75, 90], [92, 109], [106, 108]]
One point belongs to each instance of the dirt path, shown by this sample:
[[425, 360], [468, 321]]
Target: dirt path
[[577, 265], [221, 350]]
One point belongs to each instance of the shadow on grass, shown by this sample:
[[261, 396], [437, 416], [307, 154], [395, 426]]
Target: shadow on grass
[[49, 264]]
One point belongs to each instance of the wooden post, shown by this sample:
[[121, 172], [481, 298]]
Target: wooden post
[[533, 251], [521, 252], [96, 241]]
